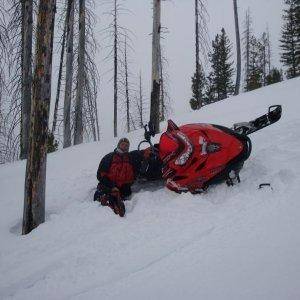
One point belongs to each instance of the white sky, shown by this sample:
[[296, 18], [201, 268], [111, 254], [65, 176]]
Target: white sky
[[178, 17]]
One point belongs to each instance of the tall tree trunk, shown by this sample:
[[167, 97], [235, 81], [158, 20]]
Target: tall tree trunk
[[197, 40], [162, 88], [238, 50], [35, 178], [140, 102], [78, 129], [26, 75], [247, 50], [154, 109], [69, 73], [61, 63], [127, 88], [115, 71]]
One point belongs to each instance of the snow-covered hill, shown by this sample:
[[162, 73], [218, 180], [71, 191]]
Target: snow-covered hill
[[230, 243]]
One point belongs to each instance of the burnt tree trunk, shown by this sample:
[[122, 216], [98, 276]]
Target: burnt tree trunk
[[154, 109], [197, 41], [238, 50], [35, 178], [69, 73], [27, 15], [61, 63], [115, 71], [78, 128], [127, 88]]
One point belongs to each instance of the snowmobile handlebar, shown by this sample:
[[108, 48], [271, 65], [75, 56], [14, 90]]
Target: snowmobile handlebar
[[149, 132]]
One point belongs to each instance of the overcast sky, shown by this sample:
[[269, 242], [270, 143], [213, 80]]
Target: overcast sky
[[178, 17]]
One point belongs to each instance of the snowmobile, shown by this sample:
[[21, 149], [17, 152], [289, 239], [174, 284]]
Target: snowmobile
[[191, 157]]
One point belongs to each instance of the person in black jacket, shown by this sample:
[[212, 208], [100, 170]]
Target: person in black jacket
[[116, 173]]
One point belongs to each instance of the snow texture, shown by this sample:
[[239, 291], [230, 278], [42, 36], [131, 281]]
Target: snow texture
[[236, 242]]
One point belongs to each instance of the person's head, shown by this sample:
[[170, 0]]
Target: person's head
[[123, 145]]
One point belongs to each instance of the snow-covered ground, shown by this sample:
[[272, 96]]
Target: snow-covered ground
[[230, 243]]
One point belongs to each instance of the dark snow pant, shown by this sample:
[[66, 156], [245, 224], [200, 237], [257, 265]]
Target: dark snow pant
[[125, 192]]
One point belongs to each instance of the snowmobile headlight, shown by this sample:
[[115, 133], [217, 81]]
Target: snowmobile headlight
[[188, 150]]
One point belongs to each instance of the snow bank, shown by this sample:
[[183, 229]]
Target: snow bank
[[230, 243]]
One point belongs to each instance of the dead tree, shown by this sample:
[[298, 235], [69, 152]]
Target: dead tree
[[69, 73], [140, 104], [126, 87], [115, 34], [247, 46], [238, 49], [78, 126], [59, 79], [27, 20], [164, 102], [35, 178], [201, 45], [155, 90]]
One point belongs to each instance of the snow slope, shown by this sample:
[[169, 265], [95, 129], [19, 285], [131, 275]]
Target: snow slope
[[230, 243]]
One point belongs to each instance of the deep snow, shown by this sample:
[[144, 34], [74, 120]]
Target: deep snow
[[230, 243]]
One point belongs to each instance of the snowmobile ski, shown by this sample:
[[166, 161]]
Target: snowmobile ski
[[273, 115]]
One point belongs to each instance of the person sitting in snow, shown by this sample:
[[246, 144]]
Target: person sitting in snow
[[116, 173]]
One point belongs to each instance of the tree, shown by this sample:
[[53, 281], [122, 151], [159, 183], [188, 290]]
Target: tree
[[201, 45], [290, 41], [35, 178], [69, 72], [222, 66], [198, 86], [59, 80], [27, 19], [274, 76], [155, 90], [247, 37], [238, 50], [255, 68], [78, 126]]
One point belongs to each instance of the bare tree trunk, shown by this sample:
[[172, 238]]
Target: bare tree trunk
[[35, 178], [69, 73], [199, 100], [238, 50], [59, 79], [247, 45], [269, 50], [126, 88], [162, 88], [78, 129], [140, 102], [26, 75], [154, 109], [115, 71]]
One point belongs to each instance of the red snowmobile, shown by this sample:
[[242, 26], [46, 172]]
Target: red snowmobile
[[193, 156]]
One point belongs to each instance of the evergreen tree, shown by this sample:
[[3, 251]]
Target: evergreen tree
[[290, 39], [222, 66], [198, 85], [274, 76], [255, 67]]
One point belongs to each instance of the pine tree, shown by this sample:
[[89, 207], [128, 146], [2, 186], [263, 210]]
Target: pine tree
[[274, 76], [255, 68], [198, 86], [290, 40], [222, 66]]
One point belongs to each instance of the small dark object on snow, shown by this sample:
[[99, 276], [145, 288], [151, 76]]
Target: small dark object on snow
[[262, 185]]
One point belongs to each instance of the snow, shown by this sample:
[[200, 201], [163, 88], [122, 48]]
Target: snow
[[229, 243]]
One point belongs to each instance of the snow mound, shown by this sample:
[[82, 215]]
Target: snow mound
[[229, 243]]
